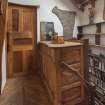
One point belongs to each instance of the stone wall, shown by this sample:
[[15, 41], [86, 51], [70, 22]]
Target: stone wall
[[67, 19]]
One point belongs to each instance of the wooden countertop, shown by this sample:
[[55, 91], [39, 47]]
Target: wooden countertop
[[66, 44]]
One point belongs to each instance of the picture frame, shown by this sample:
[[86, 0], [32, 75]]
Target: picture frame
[[46, 30]]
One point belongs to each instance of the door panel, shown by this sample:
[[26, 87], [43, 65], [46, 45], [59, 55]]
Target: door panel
[[22, 39], [27, 23], [18, 64], [15, 20]]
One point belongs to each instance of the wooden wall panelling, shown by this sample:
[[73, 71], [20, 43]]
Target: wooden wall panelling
[[49, 77], [63, 85], [84, 60], [76, 57]]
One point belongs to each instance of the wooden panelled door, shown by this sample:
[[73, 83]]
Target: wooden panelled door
[[22, 39]]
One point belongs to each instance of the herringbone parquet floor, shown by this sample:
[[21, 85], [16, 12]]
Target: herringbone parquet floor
[[24, 90]]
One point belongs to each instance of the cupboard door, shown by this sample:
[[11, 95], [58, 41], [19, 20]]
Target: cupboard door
[[21, 19]]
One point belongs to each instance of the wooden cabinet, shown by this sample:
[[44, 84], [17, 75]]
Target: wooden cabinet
[[64, 87]]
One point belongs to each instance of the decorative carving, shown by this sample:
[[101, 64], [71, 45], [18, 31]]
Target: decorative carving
[[91, 11], [80, 4], [92, 3], [91, 15], [57, 39], [67, 19]]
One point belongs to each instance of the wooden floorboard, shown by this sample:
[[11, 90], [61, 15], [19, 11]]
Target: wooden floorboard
[[24, 90]]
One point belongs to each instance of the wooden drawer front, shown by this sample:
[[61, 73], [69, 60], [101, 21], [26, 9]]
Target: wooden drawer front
[[71, 54], [71, 96]]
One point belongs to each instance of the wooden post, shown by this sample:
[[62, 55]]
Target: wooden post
[[98, 31], [3, 30], [80, 31], [104, 11], [86, 69]]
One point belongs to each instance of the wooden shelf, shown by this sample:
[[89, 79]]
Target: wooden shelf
[[86, 34], [22, 47], [91, 24], [91, 34], [100, 46]]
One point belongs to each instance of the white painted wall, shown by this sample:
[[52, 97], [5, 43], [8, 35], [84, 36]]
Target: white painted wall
[[45, 12]]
